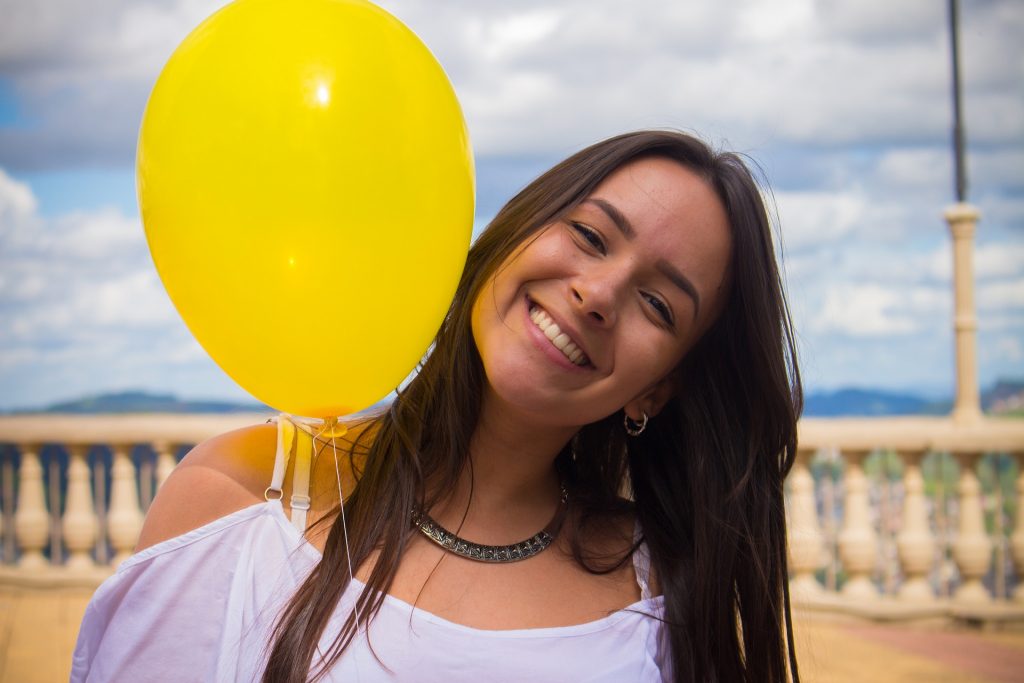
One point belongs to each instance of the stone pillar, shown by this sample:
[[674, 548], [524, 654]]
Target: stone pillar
[[805, 539], [962, 219], [80, 525], [858, 542], [915, 542], [972, 549], [31, 521], [1017, 540], [165, 461], [124, 521]]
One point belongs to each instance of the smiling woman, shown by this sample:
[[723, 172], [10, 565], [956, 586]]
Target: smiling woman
[[610, 292], [583, 482]]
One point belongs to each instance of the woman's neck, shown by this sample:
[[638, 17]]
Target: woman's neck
[[510, 489]]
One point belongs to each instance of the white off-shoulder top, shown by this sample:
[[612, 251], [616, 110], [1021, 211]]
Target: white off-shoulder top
[[201, 607]]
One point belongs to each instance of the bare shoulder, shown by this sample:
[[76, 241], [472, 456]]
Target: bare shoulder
[[219, 476], [231, 471]]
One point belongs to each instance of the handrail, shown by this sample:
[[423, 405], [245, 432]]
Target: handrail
[[885, 538]]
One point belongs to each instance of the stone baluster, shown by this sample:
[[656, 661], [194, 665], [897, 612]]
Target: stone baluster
[[972, 548], [80, 525], [1017, 540], [31, 521], [805, 538], [124, 520], [858, 543], [165, 461], [915, 542]]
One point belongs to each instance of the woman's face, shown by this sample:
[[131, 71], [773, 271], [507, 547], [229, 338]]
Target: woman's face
[[591, 314]]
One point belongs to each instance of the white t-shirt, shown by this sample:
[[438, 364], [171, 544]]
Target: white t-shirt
[[199, 607]]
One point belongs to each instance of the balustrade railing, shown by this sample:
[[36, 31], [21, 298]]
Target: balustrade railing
[[75, 489], [902, 518], [889, 518]]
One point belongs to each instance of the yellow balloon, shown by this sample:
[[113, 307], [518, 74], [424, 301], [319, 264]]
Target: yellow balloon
[[306, 184]]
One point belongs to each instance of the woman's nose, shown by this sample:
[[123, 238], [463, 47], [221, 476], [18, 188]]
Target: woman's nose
[[595, 297]]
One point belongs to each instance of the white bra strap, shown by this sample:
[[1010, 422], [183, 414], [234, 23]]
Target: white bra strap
[[300, 485], [287, 444], [285, 440], [642, 564]]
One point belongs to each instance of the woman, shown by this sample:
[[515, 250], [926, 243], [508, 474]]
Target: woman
[[617, 369]]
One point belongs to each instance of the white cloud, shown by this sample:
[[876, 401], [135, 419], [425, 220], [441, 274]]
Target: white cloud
[[991, 261], [18, 206], [871, 310], [812, 219], [83, 307], [764, 22], [915, 168], [513, 34], [875, 20], [536, 77], [1001, 296], [1010, 348], [860, 89], [1003, 168], [999, 260]]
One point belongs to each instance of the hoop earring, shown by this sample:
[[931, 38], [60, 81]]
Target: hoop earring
[[634, 428]]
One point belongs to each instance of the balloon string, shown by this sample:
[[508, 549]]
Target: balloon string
[[344, 529]]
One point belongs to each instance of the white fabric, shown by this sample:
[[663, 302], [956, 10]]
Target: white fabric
[[199, 607]]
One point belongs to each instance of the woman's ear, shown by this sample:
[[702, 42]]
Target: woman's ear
[[651, 401]]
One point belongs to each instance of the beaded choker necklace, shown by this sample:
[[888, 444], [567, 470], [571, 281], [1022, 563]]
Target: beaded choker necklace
[[513, 552]]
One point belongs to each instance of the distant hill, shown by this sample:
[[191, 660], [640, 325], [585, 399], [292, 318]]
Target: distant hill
[[143, 402], [868, 403], [1005, 397]]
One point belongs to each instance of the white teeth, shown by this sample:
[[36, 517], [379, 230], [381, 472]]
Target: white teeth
[[559, 339]]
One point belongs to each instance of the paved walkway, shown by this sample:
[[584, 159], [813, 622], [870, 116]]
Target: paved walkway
[[844, 652], [38, 630]]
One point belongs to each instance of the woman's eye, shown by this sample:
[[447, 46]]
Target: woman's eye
[[590, 235], [660, 306]]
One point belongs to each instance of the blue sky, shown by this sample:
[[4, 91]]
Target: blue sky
[[844, 103]]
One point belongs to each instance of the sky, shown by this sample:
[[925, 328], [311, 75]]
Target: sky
[[844, 104]]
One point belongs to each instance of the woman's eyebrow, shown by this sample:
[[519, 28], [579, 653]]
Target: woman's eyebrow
[[621, 222], [674, 275], [677, 278]]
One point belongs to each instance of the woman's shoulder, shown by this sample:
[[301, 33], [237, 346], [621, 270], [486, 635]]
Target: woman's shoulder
[[232, 471], [219, 476]]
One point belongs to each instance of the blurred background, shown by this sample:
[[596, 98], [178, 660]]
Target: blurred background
[[845, 105]]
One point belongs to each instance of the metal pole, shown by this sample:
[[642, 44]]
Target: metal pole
[[960, 167]]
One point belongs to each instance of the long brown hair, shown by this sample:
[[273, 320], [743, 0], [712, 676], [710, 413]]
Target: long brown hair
[[706, 477]]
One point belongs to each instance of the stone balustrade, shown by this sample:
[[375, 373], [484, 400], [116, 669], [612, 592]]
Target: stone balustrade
[[75, 488], [904, 549], [875, 529]]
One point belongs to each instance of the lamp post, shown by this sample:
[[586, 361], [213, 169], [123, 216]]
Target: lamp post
[[962, 218]]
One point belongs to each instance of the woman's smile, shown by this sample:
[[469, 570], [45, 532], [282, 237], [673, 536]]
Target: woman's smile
[[558, 337]]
